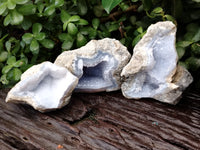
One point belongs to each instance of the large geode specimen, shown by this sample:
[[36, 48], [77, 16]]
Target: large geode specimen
[[45, 87], [152, 71], [98, 64]]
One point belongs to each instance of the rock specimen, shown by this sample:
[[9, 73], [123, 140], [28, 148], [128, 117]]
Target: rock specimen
[[98, 64], [45, 87], [152, 71], [181, 79]]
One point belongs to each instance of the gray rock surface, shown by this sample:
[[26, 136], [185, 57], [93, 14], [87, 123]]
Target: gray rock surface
[[45, 87], [98, 64], [182, 79], [153, 66]]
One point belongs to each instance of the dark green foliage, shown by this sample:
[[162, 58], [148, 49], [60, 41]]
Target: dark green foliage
[[110, 4], [32, 31]]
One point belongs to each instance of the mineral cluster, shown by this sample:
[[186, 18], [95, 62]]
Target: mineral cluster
[[106, 65], [98, 64], [45, 87], [152, 71]]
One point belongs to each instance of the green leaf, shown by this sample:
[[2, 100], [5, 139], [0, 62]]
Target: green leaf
[[72, 29], [21, 1], [65, 25], [81, 40], [27, 9], [24, 58], [40, 36], [47, 43], [85, 30], [196, 37], [11, 4], [16, 48], [26, 24], [147, 4], [113, 27], [16, 74], [82, 22], [124, 6], [3, 7], [8, 45], [37, 27], [157, 10], [123, 41], [64, 16], [25, 67], [49, 10], [19, 63], [74, 18], [104, 34], [4, 79], [180, 51], [27, 38], [40, 7], [92, 33], [82, 7], [6, 69], [65, 37], [11, 60], [16, 18], [95, 23], [140, 30], [195, 48], [7, 20], [170, 18], [188, 36], [67, 45], [108, 5], [183, 43], [22, 44], [136, 40], [34, 47], [59, 3], [3, 56], [193, 63]]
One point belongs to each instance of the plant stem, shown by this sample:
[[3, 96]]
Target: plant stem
[[118, 13]]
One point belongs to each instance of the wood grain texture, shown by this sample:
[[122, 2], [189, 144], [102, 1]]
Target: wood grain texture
[[102, 121]]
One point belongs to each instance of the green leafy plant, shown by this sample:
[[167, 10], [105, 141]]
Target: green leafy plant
[[33, 39], [109, 5], [32, 31], [139, 34], [14, 10], [189, 48]]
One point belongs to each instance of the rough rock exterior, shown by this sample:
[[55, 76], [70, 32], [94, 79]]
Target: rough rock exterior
[[45, 87], [98, 64], [182, 80], [153, 67]]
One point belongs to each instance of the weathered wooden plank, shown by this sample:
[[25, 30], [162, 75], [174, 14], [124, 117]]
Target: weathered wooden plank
[[106, 121]]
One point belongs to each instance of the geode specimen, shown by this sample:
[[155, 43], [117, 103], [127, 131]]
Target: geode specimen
[[45, 87], [152, 68], [181, 79], [98, 64]]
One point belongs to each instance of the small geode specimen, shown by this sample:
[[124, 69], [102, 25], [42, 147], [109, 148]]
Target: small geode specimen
[[45, 87], [98, 64], [152, 71]]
